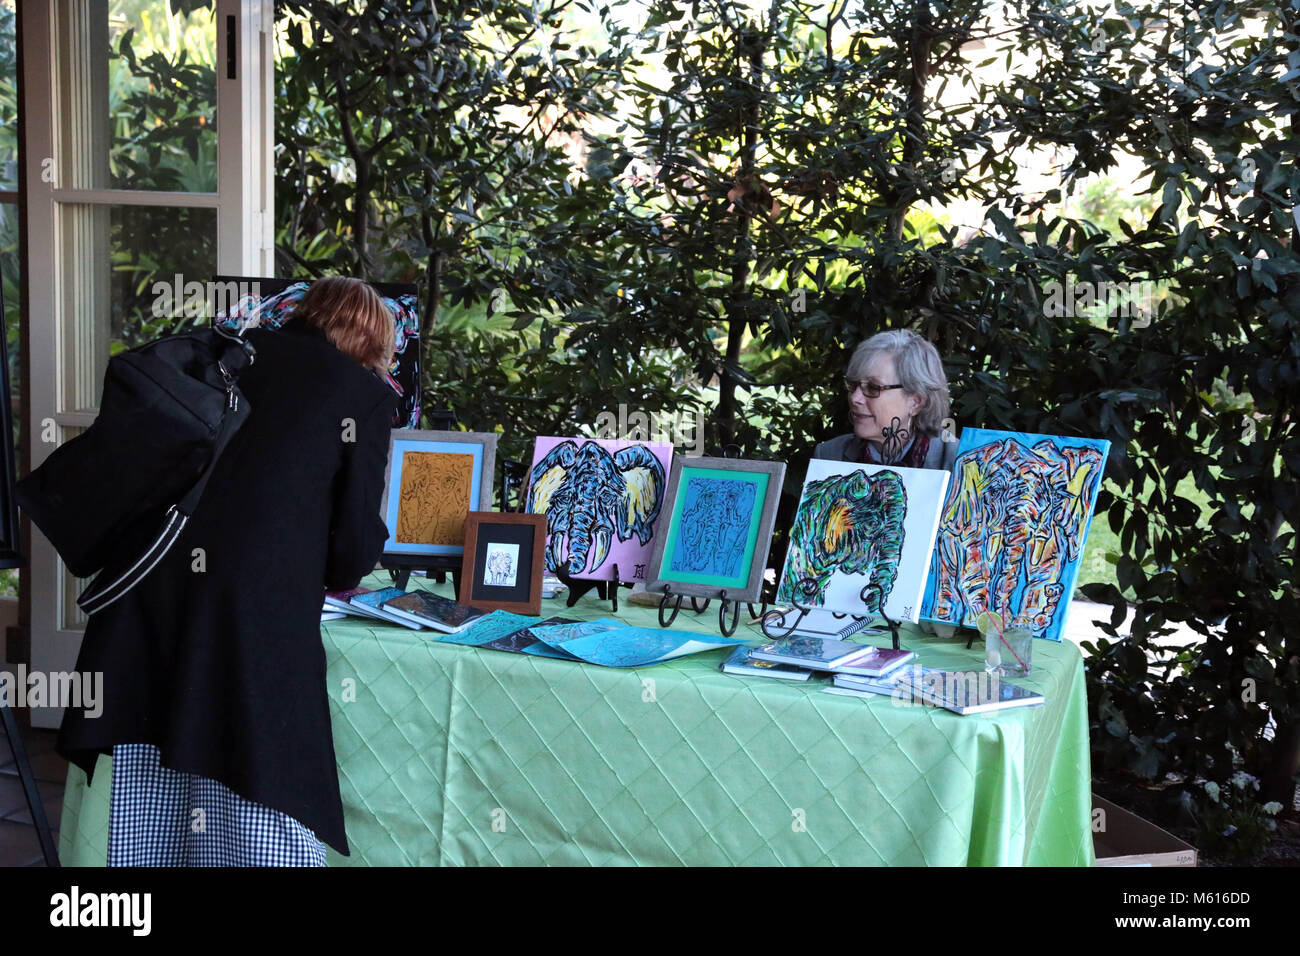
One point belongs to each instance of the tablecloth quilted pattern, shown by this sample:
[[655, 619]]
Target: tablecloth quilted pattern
[[458, 756]]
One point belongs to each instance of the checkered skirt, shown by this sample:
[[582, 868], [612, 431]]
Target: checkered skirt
[[161, 817]]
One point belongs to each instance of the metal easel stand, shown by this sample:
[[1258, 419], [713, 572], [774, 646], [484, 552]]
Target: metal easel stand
[[727, 628], [400, 566], [607, 590], [30, 789], [774, 621]]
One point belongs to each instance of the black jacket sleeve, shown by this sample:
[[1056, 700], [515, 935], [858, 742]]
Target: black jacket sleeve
[[357, 532]]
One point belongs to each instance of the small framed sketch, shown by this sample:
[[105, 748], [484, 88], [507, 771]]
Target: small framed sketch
[[503, 561], [720, 517], [434, 479]]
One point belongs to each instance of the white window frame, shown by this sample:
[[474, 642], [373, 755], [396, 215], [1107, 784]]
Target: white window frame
[[64, 364]]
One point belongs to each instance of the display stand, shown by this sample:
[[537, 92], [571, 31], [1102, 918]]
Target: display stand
[[608, 590], [400, 566], [513, 476], [728, 604], [774, 626]]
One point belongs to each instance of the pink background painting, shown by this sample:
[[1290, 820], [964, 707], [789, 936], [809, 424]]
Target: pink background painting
[[590, 531]]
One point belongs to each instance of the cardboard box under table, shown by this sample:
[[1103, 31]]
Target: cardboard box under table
[[455, 755], [1125, 839]]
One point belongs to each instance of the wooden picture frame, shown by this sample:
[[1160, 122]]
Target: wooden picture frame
[[692, 564], [515, 583], [434, 526]]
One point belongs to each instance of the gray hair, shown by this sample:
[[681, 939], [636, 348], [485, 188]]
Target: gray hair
[[920, 372]]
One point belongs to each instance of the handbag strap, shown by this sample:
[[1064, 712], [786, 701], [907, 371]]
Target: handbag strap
[[104, 590], [231, 362], [230, 423]]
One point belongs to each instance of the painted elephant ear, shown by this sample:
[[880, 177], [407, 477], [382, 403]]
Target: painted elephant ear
[[643, 493], [852, 523], [548, 476]]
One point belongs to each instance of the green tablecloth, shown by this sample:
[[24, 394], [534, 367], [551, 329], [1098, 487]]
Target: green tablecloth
[[453, 755]]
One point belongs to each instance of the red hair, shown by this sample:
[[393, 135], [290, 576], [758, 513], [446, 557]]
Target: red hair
[[353, 317]]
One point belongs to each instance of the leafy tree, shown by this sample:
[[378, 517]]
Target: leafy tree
[[759, 191]]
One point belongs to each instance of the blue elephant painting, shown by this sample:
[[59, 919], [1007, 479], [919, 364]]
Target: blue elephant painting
[[600, 504]]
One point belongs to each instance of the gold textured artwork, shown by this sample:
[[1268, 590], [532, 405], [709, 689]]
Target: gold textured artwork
[[434, 497]]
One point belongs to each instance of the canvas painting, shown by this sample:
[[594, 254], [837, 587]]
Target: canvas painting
[[862, 539], [435, 479], [718, 527], [1013, 528], [602, 500], [272, 303]]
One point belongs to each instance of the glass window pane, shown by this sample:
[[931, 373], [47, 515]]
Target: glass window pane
[[153, 247], [9, 274], [142, 255], [139, 90], [162, 95], [8, 98]]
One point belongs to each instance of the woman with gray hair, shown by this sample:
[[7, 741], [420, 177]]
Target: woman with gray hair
[[898, 401]]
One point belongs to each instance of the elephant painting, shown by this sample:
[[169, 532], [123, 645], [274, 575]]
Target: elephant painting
[[715, 527], [593, 499], [848, 524], [1012, 531]]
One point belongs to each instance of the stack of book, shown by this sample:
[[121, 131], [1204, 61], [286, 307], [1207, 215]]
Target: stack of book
[[860, 670], [414, 609], [798, 658], [424, 609]]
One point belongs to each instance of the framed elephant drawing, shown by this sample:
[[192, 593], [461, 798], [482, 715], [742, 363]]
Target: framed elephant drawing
[[717, 527], [603, 500], [862, 539], [1013, 529]]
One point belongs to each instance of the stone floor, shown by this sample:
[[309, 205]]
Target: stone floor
[[18, 843]]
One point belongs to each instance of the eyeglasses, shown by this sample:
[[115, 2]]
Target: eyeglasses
[[869, 389]]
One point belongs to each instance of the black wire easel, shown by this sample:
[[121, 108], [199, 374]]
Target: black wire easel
[[727, 604], [11, 558], [774, 626], [399, 568]]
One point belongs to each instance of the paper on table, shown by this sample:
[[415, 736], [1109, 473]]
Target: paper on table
[[623, 646], [523, 641], [488, 628]]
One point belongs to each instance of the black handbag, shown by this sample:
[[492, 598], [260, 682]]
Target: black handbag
[[115, 498]]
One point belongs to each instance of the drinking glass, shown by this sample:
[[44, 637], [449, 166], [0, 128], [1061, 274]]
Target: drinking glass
[[1008, 653]]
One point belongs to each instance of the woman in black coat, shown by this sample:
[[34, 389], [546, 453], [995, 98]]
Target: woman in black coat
[[215, 659]]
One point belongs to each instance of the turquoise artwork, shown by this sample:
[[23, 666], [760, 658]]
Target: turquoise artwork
[[489, 628], [612, 644], [715, 523]]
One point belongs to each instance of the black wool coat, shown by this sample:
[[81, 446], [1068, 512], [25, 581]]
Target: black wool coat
[[216, 657]]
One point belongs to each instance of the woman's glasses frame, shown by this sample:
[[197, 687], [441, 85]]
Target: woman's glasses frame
[[869, 389]]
